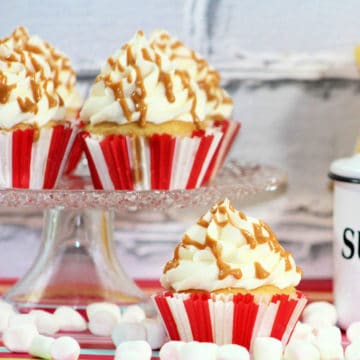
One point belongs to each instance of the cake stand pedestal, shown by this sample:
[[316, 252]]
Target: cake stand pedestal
[[77, 261]]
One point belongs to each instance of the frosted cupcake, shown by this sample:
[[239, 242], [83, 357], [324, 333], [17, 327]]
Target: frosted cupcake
[[219, 105], [146, 123], [35, 136], [62, 74], [230, 281]]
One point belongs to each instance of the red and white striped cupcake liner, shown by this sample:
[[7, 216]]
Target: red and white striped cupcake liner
[[34, 159], [229, 319], [230, 129], [158, 162]]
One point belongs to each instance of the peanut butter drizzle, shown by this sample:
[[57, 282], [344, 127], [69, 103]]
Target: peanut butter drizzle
[[5, 89], [27, 105], [165, 79], [260, 272]]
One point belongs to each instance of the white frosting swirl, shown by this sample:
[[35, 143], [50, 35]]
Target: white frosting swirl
[[62, 74], [226, 249], [218, 104], [140, 85], [27, 94]]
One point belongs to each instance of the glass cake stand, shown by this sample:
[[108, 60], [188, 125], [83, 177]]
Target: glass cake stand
[[76, 264]]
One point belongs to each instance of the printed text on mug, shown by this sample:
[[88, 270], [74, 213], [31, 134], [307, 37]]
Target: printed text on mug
[[351, 239]]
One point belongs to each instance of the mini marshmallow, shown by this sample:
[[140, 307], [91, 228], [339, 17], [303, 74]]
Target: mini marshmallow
[[46, 323], [301, 350], [303, 332], [198, 350], [40, 346], [21, 319], [128, 331], [133, 313], [171, 350], [133, 350], [93, 308], [327, 334], [103, 322], [232, 352], [320, 313], [18, 338], [352, 351], [155, 333], [65, 348], [265, 348], [330, 351], [6, 310], [353, 331], [69, 319]]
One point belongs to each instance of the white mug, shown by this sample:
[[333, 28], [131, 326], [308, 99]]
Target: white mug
[[346, 249]]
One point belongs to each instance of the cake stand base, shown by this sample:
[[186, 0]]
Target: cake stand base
[[76, 265]]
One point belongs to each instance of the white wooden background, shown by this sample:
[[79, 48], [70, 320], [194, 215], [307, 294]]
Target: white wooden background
[[296, 124]]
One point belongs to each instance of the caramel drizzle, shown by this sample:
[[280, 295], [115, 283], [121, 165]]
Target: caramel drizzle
[[137, 171], [185, 80], [253, 240], [165, 79], [5, 89], [27, 105], [224, 269]]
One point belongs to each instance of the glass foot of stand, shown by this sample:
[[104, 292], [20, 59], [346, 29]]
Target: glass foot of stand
[[77, 263]]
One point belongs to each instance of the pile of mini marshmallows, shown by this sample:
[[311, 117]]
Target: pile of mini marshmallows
[[34, 332], [135, 336]]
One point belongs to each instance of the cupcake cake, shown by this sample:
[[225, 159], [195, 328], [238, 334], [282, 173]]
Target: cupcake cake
[[230, 281], [145, 123], [219, 105], [35, 135], [63, 76]]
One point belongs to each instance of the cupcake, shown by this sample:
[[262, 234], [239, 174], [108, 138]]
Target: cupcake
[[35, 135], [145, 123], [63, 76], [219, 105], [230, 281]]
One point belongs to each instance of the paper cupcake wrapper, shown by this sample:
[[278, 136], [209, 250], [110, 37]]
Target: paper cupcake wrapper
[[75, 154], [231, 319], [230, 130], [34, 159], [158, 162]]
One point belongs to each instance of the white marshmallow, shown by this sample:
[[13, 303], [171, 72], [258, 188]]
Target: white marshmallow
[[93, 308], [128, 331], [197, 350], [40, 346], [301, 350], [133, 313], [6, 310], [265, 348], [155, 333], [330, 334], [171, 350], [352, 351], [69, 319], [320, 313], [353, 331], [103, 322], [330, 351], [45, 322], [21, 319], [18, 338], [303, 332], [65, 348], [232, 352], [133, 350]]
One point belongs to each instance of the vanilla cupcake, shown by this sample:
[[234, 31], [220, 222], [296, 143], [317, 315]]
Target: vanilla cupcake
[[145, 123], [230, 281], [63, 76], [219, 105], [35, 137]]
